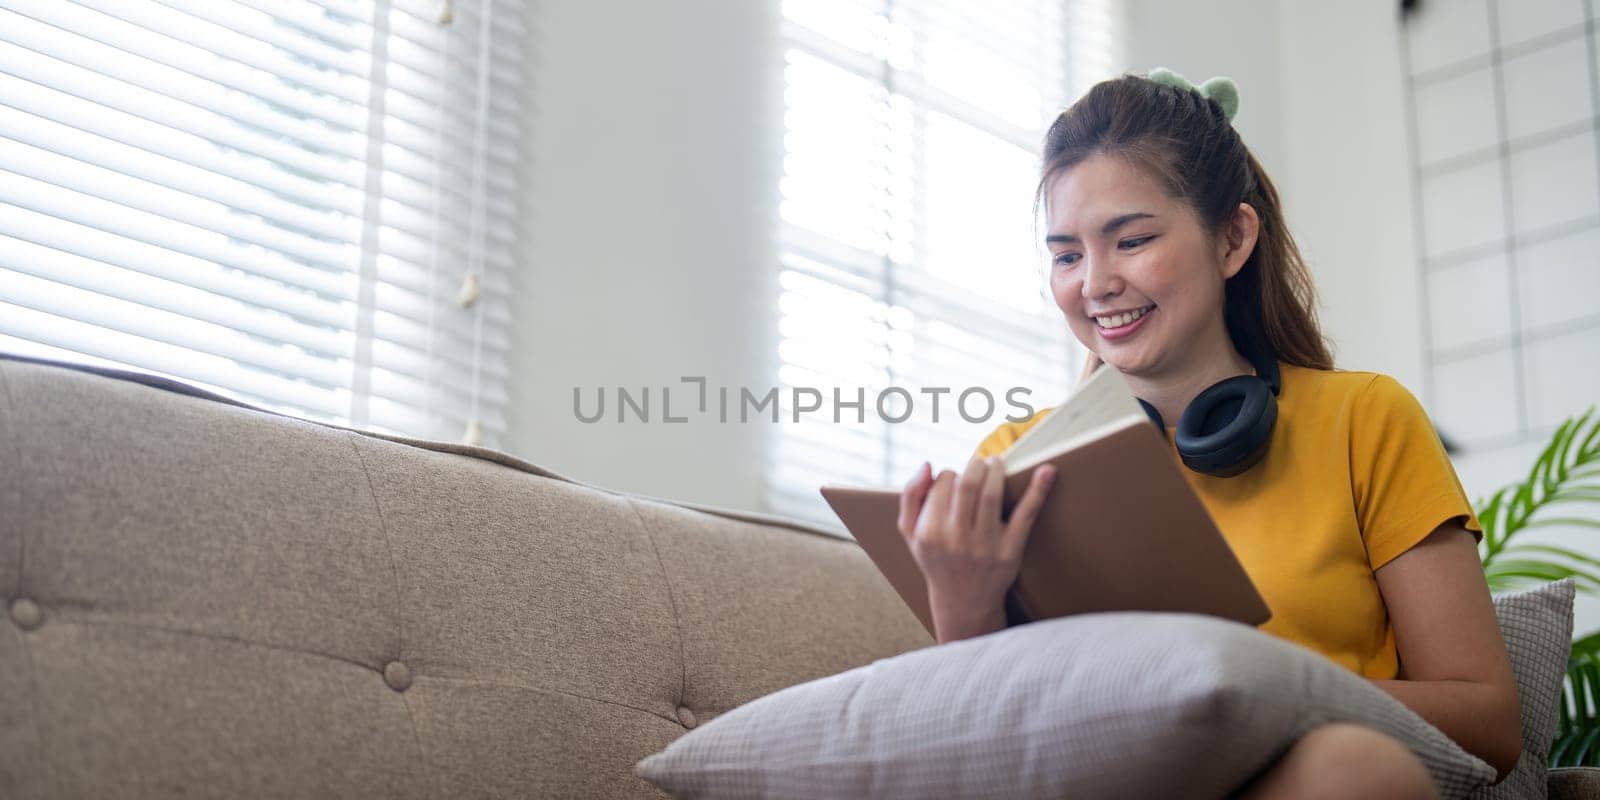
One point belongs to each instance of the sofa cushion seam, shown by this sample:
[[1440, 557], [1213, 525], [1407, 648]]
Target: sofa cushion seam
[[38, 716], [60, 619], [677, 622], [388, 548], [548, 690], [11, 444], [395, 615]]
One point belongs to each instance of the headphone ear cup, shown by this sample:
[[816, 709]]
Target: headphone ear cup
[[1226, 429]]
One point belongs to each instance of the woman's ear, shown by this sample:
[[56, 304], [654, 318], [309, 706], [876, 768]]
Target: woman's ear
[[1239, 239]]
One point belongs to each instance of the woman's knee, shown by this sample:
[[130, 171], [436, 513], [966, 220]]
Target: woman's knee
[[1345, 760]]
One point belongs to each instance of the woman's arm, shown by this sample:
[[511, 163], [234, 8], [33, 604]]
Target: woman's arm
[[1454, 669]]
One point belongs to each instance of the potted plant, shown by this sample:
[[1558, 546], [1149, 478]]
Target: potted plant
[[1566, 474]]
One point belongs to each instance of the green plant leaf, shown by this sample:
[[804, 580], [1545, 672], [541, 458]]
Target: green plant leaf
[[1536, 567], [1582, 493], [1574, 744], [1490, 518], [1590, 438], [1558, 551], [1516, 573], [1563, 522], [1560, 466], [1585, 755], [1541, 465]]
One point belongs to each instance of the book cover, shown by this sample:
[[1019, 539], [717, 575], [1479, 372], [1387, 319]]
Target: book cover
[[1121, 529]]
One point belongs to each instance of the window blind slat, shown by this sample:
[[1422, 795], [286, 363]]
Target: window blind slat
[[133, 202], [20, 195], [100, 73], [62, 269], [158, 60], [347, 25], [227, 44], [157, 325], [65, 337], [172, 334], [37, 116], [30, 237], [24, 136], [322, 332], [133, 199], [271, 76], [72, 334], [88, 86], [223, 17], [185, 188], [237, 21]]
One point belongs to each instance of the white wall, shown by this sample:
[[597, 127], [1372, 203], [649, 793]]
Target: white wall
[[1349, 186], [649, 238]]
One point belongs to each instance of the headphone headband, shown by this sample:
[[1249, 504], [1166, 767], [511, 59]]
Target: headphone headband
[[1226, 428]]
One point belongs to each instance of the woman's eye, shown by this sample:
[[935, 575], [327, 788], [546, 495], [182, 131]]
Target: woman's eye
[[1065, 259], [1131, 243]]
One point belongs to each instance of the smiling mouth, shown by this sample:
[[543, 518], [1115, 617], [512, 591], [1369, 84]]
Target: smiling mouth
[[1121, 320]]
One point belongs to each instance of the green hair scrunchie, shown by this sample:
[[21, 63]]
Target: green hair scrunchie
[[1221, 89]]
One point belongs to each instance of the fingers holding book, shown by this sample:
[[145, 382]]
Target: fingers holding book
[[912, 498], [1027, 509], [969, 553]]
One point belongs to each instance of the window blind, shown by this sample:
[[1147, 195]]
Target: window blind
[[908, 254], [307, 206]]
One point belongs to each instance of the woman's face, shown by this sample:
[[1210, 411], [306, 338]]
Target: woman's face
[[1139, 281]]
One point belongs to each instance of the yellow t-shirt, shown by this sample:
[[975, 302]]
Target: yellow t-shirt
[[1354, 476]]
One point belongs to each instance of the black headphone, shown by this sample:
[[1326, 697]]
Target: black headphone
[[1225, 430]]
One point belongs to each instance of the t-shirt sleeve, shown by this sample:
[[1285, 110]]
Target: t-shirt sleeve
[[1402, 479]]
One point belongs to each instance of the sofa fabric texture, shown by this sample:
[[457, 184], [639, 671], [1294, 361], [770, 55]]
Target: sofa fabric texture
[[210, 600]]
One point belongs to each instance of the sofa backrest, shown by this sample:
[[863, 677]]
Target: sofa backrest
[[212, 600]]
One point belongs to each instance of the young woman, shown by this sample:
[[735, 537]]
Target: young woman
[[1172, 262]]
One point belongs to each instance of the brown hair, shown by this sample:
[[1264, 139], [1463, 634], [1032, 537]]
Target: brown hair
[[1186, 142]]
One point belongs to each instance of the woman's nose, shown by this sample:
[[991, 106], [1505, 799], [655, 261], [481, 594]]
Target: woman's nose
[[1099, 281]]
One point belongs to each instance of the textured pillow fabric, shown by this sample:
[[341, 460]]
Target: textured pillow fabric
[[1126, 705], [1537, 625]]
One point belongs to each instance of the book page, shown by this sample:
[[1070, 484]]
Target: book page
[[1102, 403]]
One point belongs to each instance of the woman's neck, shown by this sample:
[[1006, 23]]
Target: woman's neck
[[1172, 392]]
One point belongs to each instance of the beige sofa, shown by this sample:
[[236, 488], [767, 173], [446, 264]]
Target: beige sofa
[[204, 599]]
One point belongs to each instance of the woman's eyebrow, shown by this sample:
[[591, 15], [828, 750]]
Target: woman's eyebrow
[[1105, 230]]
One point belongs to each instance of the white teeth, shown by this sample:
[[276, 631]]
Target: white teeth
[[1122, 319]]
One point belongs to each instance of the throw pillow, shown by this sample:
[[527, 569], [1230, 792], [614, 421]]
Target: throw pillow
[[1126, 704], [1537, 625]]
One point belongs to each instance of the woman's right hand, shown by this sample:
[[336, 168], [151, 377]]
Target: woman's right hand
[[968, 555]]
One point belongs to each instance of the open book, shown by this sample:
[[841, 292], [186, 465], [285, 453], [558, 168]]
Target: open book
[[1121, 529]]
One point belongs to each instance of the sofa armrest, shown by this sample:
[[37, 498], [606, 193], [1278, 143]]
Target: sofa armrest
[[1574, 783]]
